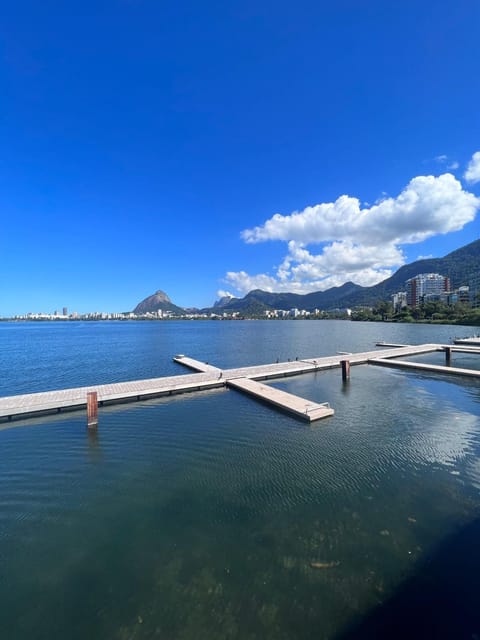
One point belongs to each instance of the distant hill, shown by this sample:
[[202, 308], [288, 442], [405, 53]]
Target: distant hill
[[458, 266], [257, 301], [159, 301]]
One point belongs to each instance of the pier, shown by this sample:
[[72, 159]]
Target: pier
[[245, 379], [299, 407], [430, 368]]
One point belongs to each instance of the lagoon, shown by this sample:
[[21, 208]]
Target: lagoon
[[212, 516]]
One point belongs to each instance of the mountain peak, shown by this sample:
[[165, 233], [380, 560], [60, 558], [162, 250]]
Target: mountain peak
[[159, 301], [161, 295], [223, 301]]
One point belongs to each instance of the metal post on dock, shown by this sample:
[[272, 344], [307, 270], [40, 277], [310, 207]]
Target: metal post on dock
[[448, 356], [92, 410], [345, 370]]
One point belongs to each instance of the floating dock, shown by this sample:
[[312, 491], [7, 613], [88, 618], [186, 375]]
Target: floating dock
[[33, 404], [299, 407], [307, 365], [474, 341], [430, 368], [246, 379]]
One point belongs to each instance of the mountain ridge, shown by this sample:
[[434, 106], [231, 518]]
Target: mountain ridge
[[458, 265]]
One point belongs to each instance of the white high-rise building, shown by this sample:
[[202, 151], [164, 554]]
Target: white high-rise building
[[424, 284]]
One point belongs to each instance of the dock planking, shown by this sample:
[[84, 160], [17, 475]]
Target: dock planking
[[197, 365], [34, 404], [299, 407], [460, 349], [430, 368], [308, 365], [206, 376]]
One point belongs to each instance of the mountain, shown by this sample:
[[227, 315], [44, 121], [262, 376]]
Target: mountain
[[158, 301], [223, 302], [257, 301], [457, 265]]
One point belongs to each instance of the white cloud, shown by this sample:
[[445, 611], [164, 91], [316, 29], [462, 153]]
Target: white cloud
[[472, 174], [302, 271], [358, 244], [243, 282], [427, 206], [451, 165], [224, 294]]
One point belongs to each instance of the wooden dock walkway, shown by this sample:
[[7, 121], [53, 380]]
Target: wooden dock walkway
[[299, 407], [460, 349], [431, 368], [308, 365], [207, 376], [31, 404]]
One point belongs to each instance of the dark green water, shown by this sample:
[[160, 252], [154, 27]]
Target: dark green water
[[201, 516]]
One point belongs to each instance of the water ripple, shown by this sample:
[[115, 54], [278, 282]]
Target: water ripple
[[214, 516]]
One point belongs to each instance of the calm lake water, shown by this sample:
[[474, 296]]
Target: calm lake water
[[199, 516]]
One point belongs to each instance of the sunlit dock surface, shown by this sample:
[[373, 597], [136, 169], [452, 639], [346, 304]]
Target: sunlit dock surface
[[299, 407], [208, 376], [430, 368]]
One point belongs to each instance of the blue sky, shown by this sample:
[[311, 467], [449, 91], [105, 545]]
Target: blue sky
[[165, 145]]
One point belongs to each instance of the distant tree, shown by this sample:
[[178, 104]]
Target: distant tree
[[417, 313], [363, 315], [384, 309]]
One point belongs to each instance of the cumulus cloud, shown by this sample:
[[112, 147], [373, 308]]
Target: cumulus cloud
[[472, 174], [427, 206], [302, 271], [243, 282], [224, 294], [357, 242]]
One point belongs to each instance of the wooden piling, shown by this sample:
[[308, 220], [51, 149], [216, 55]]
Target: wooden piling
[[92, 410], [345, 370], [448, 356]]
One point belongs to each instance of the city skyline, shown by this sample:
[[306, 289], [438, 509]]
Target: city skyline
[[201, 149]]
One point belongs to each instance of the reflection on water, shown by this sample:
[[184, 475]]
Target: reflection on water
[[213, 516], [94, 448]]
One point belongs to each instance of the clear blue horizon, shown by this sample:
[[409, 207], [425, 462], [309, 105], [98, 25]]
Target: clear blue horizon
[[205, 148]]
